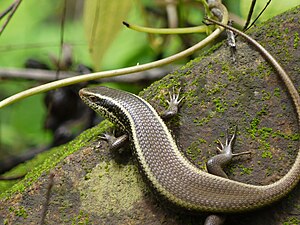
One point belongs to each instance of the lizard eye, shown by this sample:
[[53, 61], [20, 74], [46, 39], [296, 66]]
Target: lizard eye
[[92, 98]]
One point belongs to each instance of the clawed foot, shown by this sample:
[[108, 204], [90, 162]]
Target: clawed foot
[[173, 104], [115, 143], [227, 148], [216, 164]]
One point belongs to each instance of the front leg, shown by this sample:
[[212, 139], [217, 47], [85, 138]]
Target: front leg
[[115, 143]]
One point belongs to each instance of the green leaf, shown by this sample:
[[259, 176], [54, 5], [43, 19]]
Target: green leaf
[[102, 22]]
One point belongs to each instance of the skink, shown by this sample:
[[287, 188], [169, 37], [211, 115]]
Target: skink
[[170, 173]]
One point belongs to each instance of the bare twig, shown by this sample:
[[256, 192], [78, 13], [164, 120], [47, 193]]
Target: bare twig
[[13, 10], [7, 11], [249, 14], [50, 75], [62, 31], [258, 15], [32, 74]]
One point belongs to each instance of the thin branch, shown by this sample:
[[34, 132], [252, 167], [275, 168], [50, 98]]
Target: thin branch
[[15, 7], [50, 75], [62, 29], [32, 74], [7, 11], [250, 14], [259, 15]]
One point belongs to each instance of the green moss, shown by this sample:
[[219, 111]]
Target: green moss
[[193, 151], [262, 71], [201, 140], [276, 92], [230, 77], [225, 68], [266, 154], [204, 120], [245, 170], [253, 127], [44, 162], [292, 137], [220, 105], [235, 103], [19, 212], [81, 219], [216, 88], [296, 40], [262, 112], [264, 132], [286, 30], [265, 95], [161, 90]]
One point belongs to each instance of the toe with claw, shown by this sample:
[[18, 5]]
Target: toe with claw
[[173, 104]]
